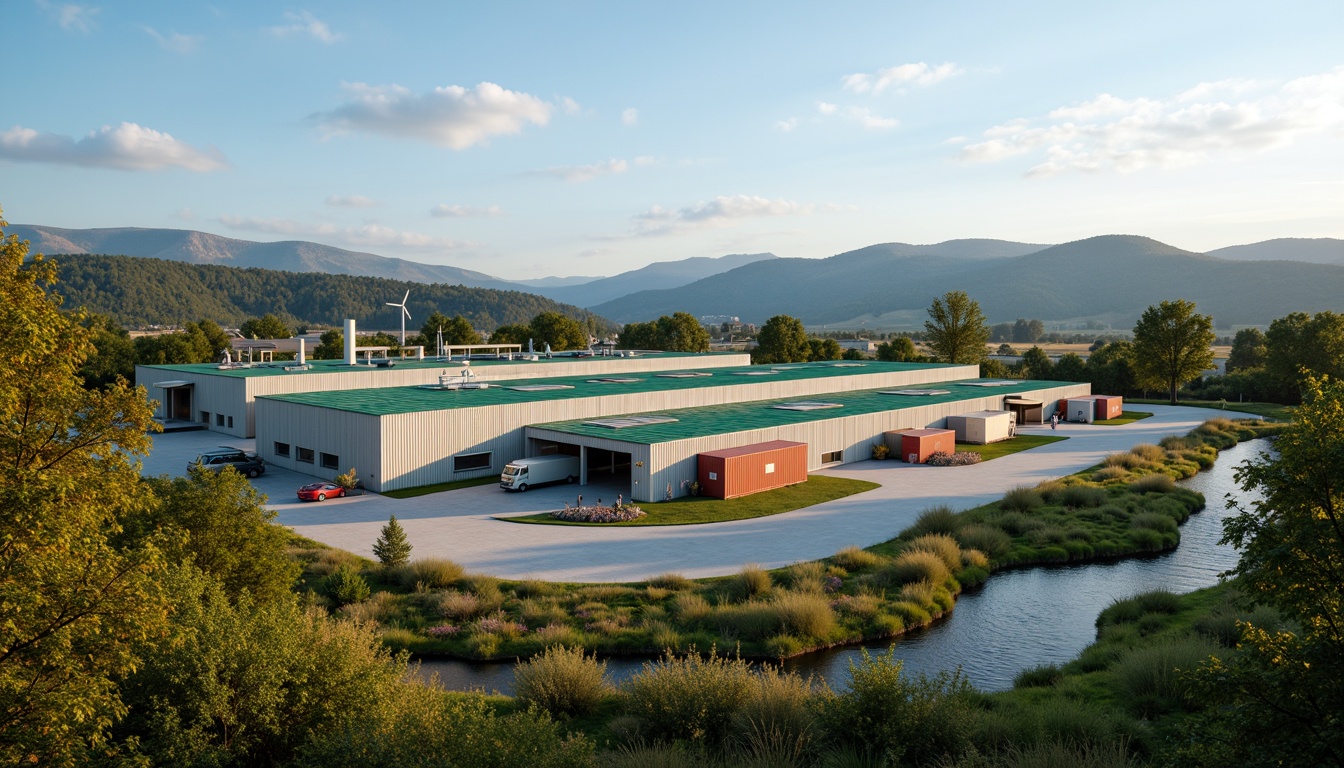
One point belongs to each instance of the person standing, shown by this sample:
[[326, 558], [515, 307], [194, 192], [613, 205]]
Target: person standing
[[1054, 421]]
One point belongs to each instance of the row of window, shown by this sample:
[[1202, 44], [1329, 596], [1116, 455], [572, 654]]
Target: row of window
[[306, 455], [220, 419]]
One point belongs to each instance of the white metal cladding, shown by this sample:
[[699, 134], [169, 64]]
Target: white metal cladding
[[675, 462], [212, 394], [247, 388], [352, 437], [418, 447]]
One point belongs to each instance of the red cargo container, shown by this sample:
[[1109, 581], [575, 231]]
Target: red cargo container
[[918, 445], [1109, 406], [1062, 409], [742, 471]]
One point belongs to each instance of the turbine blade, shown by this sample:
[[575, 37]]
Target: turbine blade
[[407, 296], [407, 311]]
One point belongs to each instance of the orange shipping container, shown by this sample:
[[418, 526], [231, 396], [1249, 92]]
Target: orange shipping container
[[918, 445], [733, 472], [1110, 406]]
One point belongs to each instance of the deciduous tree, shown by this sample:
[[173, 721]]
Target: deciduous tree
[[782, 340], [267, 326], [1248, 350], [1172, 346], [558, 330], [956, 329], [898, 349]]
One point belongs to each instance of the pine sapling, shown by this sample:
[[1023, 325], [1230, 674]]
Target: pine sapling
[[392, 548]]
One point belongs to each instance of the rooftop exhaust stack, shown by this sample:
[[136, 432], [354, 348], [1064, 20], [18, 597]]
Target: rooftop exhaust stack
[[350, 342], [303, 357]]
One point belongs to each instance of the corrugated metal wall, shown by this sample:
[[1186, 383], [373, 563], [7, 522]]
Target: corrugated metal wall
[[745, 474], [352, 437], [213, 394]]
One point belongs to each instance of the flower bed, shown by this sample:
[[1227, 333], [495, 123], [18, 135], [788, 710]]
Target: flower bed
[[958, 459], [619, 514]]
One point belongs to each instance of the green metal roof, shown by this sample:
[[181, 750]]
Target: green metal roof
[[709, 420], [320, 367], [384, 401]]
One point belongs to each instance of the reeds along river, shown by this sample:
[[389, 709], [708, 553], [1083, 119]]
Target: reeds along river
[[1019, 619]]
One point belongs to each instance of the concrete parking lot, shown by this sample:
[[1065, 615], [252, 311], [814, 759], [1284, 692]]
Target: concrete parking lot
[[460, 525]]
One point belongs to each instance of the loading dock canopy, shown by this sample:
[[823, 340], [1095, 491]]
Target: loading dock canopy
[[172, 384], [1022, 401]]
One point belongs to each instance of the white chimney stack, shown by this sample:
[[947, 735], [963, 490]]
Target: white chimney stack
[[350, 342], [303, 357]]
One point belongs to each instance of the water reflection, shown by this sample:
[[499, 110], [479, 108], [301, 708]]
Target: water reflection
[[1019, 619]]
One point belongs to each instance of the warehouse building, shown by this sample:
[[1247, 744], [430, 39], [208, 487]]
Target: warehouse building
[[223, 397], [646, 429]]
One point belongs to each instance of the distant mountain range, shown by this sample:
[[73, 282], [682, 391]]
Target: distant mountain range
[[1111, 277], [1316, 250], [660, 274]]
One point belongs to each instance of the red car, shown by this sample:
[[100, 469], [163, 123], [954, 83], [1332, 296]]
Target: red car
[[320, 491]]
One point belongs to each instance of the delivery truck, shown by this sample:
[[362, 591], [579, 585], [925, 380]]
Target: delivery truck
[[521, 474]]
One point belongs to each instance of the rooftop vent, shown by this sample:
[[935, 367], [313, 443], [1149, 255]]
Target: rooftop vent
[[915, 392], [806, 405], [539, 387], [613, 380], [626, 422], [684, 375], [848, 365], [991, 383], [755, 373]]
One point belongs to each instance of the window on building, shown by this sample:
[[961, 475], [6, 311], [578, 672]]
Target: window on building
[[769, 469], [469, 461], [230, 422], [832, 457], [281, 449], [205, 417], [331, 461], [219, 419], [305, 455]]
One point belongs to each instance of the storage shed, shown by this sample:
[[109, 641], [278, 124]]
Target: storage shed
[[748, 469], [1081, 409], [1109, 406], [917, 445], [982, 427]]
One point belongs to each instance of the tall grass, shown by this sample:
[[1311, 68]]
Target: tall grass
[[940, 544], [692, 698], [673, 581], [429, 573], [751, 581], [1021, 499], [991, 540], [854, 559], [913, 567], [805, 614], [1151, 676], [562, 682], [939, 519], [1155, 483]]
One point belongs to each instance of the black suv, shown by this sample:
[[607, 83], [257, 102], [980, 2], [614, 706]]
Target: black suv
[[246, 462]]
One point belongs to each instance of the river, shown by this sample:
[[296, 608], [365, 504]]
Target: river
[[1019, 619]]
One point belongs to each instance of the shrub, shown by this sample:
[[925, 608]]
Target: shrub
[[1150, 676], [458, 605], [562, 682], [974, 558], [993, 541], [1021, 499], [1126, 460], [431, 573], [541, 613], [940, 544], [911, 614], [1109, 473], [377, 608], [855, 559], [690, 608], [673, 581], [750, 582], [958, 459], [533, 588], [1155, 483], [1017, 523], [1155, 520], [777, 711], [1147, 540], [693, 698], [1082, 496], [1041, 676], [807, 576], [805, 614], [752, 620], [1150, 453], [939, 519], [911, 567], [346, 586], [881, 452]]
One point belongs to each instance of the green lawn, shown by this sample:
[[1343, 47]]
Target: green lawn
[[1273, 411], [421, 490], [701, 509], [1128, 417], [1009, 447]]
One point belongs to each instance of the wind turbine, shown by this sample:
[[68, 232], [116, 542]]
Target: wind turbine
[[405, 314]]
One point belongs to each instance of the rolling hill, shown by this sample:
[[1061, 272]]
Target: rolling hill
[[1316, 250], [138, 292], [658, 275], [1113, 276]]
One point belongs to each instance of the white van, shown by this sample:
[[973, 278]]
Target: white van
[[521, 474]]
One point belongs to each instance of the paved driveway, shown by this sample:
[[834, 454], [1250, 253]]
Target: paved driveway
[[460, 525]]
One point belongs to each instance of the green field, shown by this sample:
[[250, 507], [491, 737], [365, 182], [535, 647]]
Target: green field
[[1128, 417], [701, 509], [1009, 447], [421, 490]]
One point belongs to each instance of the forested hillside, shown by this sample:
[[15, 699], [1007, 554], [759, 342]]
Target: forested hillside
[[139, 292]]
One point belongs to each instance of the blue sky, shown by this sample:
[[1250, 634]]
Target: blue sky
[[523, 139]]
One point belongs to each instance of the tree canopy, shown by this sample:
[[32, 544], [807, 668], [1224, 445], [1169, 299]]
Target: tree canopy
[[678, 332], [1298, 343], [267, 326], [1172, 346], [1248, 350], [782, 340], [898, 349], [956, 330]]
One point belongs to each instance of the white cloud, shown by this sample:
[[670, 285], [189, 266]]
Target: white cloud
[[350, 201], [305, 23], [870, 120], [174, 42], [185, 214], [452, 116], [787, 125], [570, 106], [369, 235], [1125, 135], [920, 74], [463, 211], [128, 147], [722, 211], [70, 16], [630, 117], [589, 172], [826, 108]]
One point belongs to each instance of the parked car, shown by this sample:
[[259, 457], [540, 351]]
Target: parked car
[[320, 491], [246, 462]]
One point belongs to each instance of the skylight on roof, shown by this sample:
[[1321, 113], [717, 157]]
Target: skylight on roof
[[806, 405], [684, 375], [991, 383], [848, 365], [613, 380], [915, 392], [755, 373], [539, 387], [625, 422]]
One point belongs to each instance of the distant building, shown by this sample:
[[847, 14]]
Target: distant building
[[863, 345]]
